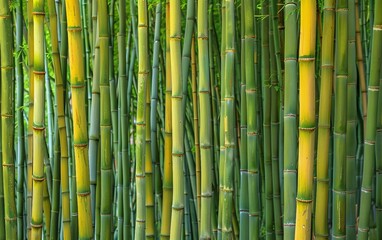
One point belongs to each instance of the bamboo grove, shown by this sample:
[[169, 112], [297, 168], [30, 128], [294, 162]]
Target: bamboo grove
[[186, 119]]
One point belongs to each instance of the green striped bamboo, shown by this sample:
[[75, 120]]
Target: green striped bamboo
[[351, 128], [38, 120], [167, 168], [321, 228], [370, 134], [177, 120], [339, 133], [7, 120], [306, 119], [80, 132], [143, 73], [105, 123], [206, 153], [290, 120]]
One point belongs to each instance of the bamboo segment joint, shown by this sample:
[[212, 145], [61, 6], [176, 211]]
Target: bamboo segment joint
[[377, 27], [38, 13], [306, 59], [38, 179], [74, 29], [4, 16], [304, 200], [311, 129], [39, 72]]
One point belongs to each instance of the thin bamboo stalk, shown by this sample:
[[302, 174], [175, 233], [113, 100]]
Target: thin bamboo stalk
[[321, 228], [370, 134], [143, 72]]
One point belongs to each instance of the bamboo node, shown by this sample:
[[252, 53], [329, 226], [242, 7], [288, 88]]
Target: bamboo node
[[34, 225], [309, 129], [342, 9], [373, 88], [38, 72], [255, 214], [339, 192], [342, 76], [38, 179], [38, 128], [83, 194], [290, 171], [177, 208], [78, 85], [7, 115], [8, 164], [304, 200], [290, 59], [363, 229], [203, 37], [228, 50], [4, 16], [366, 190], [290, 224], [6, 67], [250, 133], [327, 66], [10, 219], [321, 235], [38, 13], [368, 142], [80, 145], [306, 59], [74, 29], [377, 27]]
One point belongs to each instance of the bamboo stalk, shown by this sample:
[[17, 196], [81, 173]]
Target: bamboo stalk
[[80, 132], [306, 119]]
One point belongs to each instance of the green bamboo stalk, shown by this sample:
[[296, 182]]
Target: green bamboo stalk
[[94, 127], [30, 122], [55, 209], [244, 195], [265, 73], [177, 120], [290, 120], [229, 123], [378, 154], [275, 123], [105, 123], [339, 161], [167, 168], [221, 126], [125, 167], [351, 127], [143, 71], [38, 120], [153, 113], [7, 120], [321, 228], [80, 132], [252, 121], [149, 188], [206, 153], [370, 134], [20, 121], [306, 119]]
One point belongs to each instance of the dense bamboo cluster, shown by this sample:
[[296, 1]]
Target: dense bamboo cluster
[[186, 119]]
